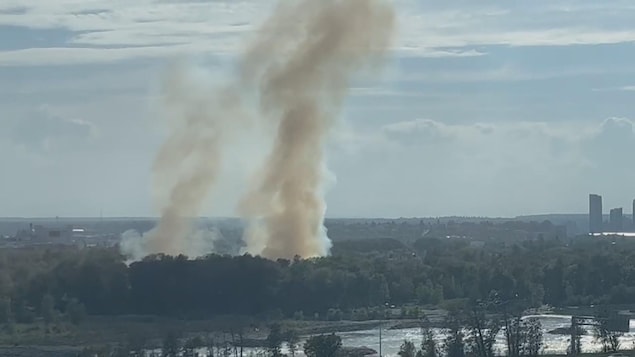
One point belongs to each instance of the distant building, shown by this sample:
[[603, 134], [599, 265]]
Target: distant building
[[616, 220], [55, 234], [39, 234], [595, 213], [477, 244]]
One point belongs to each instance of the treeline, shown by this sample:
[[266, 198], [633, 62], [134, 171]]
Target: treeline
[[353, 283]]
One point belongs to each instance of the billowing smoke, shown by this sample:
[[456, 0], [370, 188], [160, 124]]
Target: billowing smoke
[[188, 164], [300, 63], [304, 60]]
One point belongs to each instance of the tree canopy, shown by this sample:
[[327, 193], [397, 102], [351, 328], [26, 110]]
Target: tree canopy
[[350, 284]]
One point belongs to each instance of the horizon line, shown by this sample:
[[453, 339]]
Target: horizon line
[[326, 218]]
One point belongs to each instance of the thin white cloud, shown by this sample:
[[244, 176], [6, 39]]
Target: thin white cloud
[[536, 145], [383, 92], [222, 26], [43, 131], [55, 56], [73, 55], [628, 88], [424, 52], [492, 168]]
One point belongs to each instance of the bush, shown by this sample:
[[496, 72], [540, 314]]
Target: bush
[[9, 328], [47, 309], [334, 315], [404, 313], [322, 346], [171, 346], [360, 314], [5, 310], [24, 314], [76, 312], [415, 312], [298, 315]]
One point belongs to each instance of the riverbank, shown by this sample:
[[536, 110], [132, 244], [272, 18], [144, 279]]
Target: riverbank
[[120, 328], [150, 331], [39, 351]]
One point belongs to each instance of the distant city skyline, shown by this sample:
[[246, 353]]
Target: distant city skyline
[[616, 216]]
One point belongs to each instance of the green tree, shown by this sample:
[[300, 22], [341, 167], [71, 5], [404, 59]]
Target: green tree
[[24, 314], [5, 310], [483, 329], [366, 273], [136, 344], [514, 332], [407, 349], [274, 340], [415, 312], [610, 339], [334, 315], [6, 282], [298, 315], [429, 346], [122, 350], [210, 344], [99, 351], [47, 309], [454, 343], [429, 293], [533, 337], [191, 345], [76, 312], [380, 292], [293, 338], [322, 346], [171, 346]]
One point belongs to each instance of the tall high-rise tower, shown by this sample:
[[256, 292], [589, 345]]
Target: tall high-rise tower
[[617, 220], [595, 213]]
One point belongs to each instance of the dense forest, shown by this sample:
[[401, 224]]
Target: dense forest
[[352, 283]]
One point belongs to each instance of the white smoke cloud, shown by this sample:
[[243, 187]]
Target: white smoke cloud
[[195, 244]]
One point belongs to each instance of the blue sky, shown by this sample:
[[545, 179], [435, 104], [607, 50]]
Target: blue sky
[[485, 107]]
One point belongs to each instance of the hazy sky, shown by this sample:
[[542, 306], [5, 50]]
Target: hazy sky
[[486, 107]]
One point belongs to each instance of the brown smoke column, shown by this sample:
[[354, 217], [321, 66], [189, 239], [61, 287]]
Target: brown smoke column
[[301, 63], [188, 163], [303, 59]]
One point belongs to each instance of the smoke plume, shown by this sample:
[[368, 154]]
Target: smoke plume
[[300, 65], [304, 59], [187, 165]]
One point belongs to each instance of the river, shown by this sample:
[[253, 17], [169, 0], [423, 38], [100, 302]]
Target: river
[[392, 339]]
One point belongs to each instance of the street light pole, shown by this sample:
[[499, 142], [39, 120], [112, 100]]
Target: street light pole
[[574, 337], [380, 323]]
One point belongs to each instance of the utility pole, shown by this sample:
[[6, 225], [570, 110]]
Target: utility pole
[[380, 323], [574, 337]]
